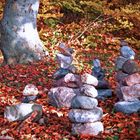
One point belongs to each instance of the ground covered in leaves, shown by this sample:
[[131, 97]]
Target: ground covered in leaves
[[88, 43]]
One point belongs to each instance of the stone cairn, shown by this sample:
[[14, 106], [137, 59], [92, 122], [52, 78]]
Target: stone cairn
[[128, 81], [103, 87], [78, 93], [23, 110]]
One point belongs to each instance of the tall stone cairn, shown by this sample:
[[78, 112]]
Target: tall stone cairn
[[103, 87], [78, 93], [128, 81]]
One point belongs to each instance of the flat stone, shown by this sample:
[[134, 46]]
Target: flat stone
[[83, 102], [85, 116], [63, 60], [89, 79], [19, 112], [88, 90], [127, 52], [60, 73], [62, 96], [127, 107], [102, 84], [30, 90], [104, 93], [91, 129], [132, 79], [119, 62], [131, 93]]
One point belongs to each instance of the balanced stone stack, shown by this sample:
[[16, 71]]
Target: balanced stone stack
[[66, 83], [128, 81], [103, 87], [84, 114]]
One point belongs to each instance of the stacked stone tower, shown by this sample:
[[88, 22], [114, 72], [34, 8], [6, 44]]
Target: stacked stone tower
[[128, 81]]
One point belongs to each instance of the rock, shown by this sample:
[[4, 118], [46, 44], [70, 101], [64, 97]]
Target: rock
[[131, 93], [6, 138], [127, 107], [85, 116], [127, 52], [83, 102], [64, 49], [60, 73], [120, 76], [119, 62], [118, 92], [89, 79], [87, 128], [30, 90], [130, 67], [132, 79], [62, 96], [104, 93], [73, 78], [88, 90], [21, 111], [28, 99], [102, 84], [63, 60], [72, 69]]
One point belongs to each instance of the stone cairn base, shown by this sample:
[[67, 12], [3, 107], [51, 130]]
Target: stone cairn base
[[78, 93], [103, 87], [128, 78]]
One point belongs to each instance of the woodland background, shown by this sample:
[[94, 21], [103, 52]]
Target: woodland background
[[92, 29]]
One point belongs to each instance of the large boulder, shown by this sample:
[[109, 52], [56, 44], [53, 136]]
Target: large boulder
[[87, 128], [127, 107], [83, 102], [62, 96], [85, 116]]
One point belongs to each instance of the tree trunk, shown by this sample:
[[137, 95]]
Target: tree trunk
[[19, 39]]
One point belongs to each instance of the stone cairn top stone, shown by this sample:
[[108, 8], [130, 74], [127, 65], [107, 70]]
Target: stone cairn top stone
[[128, 81], [78, 93], [102, 87]]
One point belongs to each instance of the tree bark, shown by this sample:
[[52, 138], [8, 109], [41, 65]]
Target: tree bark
[[19, 39]]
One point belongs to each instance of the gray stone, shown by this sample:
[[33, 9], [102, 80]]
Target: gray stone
[[21, 111], [83, 102], [127, 107], [102, 84], [89, 90], [64, 61], [132, 79], [91, 129], [119, 62], [30, 90], [127, 52], [120, 76], [85, 116], [89, 79], [62, 96], [60, 73], [131, 93], [118, 92], [104, 93]]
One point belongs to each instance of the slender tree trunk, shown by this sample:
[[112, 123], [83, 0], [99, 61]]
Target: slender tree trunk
[[19, 39]]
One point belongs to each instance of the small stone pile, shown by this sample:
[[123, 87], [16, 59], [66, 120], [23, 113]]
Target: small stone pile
[[103, 87], [128, 81], [24, 109], [84, 113]]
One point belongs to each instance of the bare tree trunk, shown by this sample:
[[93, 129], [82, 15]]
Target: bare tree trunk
[[19, 39]]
